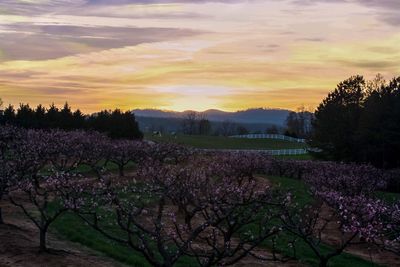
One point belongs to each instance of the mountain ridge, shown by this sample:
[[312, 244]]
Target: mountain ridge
[[254, 115]]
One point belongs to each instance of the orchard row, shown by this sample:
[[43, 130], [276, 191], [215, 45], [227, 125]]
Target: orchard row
[[168, 202]]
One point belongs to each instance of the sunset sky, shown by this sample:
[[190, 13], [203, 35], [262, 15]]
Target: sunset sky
[[183, 54]]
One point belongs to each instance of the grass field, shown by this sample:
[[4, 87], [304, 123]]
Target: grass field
[[219, 142], [72, 228], [297, 157]]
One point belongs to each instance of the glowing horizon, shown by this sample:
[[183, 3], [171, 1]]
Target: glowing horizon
[[191, 55]]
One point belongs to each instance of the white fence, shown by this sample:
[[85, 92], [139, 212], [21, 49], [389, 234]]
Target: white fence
[[270, 136], [277, 152]]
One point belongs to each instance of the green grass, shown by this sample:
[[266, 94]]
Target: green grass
[[388, 197], [69, 226], [219, 142], [297, 157]]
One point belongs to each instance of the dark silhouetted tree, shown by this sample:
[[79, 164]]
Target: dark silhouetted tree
[[189, 123], [204, 125], [227, 128], [66, 118], [299, 123], [78, 119], [241, 130], [272, 130], [9, 115], [40, 117], [379, 129], [116, 124], [25, 116], [52, 117], [337, 119]]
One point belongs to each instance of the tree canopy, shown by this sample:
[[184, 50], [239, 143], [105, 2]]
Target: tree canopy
[[360, 122], [116, 123]]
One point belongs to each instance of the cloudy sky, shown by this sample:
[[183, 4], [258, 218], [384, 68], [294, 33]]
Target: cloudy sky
[[187, 54]]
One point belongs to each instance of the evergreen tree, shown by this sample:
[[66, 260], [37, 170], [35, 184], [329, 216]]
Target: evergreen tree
[[116, 124], [52, 117], [25, 116], [66, 118], [379, 131], [9, 115], [337, 119], [40, 117], [78, 119]]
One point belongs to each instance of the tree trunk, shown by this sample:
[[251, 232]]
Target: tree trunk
[[1, 217], [323, 263], [42, 246], [121, 171]]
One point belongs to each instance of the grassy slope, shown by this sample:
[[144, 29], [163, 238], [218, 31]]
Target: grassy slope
[[71, 227], [297, 157], [219, 142]]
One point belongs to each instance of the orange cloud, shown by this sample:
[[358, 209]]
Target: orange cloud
[[214, 54]]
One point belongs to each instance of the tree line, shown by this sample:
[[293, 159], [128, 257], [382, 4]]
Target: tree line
[[360, 122], [116, 124], [298, 123], [194, 123]]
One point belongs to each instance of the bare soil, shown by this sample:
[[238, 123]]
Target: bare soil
[[19, 246]]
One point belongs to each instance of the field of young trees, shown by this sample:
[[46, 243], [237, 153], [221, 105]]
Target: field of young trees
[[162, 204]]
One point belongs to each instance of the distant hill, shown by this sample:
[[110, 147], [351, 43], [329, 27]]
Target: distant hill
[[165, 124], [250, 116]]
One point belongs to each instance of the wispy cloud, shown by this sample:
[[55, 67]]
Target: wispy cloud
[[177, 54]]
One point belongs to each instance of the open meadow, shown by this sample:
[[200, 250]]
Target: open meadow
[[222, 142]]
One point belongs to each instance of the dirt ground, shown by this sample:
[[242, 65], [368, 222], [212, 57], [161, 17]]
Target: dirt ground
[[19, 246]]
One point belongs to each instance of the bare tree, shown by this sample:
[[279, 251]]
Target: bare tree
[[299, 123], [204, 125], [189, 123], [227, 128], [272, 130], [375, 84], [194, 211]]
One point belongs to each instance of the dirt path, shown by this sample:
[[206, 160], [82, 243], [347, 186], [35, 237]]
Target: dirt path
[[19, 246]]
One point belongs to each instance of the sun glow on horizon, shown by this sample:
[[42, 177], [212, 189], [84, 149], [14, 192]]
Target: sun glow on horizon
[[191, 55]]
